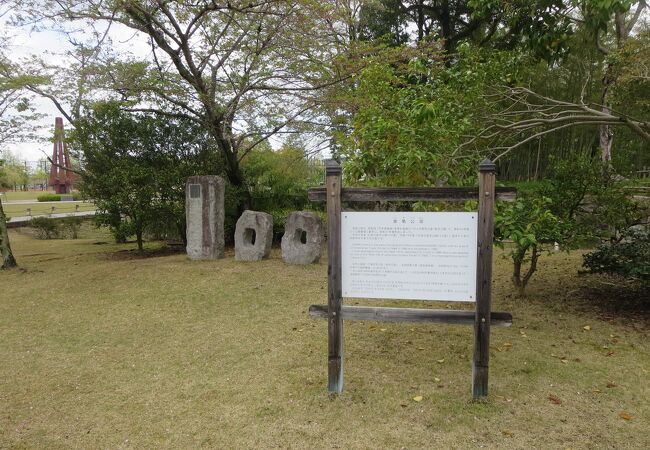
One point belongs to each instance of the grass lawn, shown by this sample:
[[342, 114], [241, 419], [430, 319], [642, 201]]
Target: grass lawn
[[22, 195], [17, 210], [102, 349]]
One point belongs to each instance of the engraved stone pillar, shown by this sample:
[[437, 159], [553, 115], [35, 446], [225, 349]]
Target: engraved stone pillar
[[204, 211], [253, 236], [303, 238]]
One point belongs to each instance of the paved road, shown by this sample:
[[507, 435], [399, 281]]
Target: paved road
[[24, 220], [35, 202]]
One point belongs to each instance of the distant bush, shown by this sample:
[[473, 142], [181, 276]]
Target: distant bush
[[49, 197], [628, 257], [46, 228]]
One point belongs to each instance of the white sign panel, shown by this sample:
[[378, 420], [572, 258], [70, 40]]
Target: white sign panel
[[409, 255]]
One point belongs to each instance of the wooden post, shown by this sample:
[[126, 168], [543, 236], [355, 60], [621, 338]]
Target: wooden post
[[486, 181], [334, 289]]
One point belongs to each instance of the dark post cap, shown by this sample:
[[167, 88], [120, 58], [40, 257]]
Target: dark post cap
[[332, 167], [487, 166]]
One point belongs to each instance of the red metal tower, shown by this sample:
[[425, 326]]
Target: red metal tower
[[60, 178]]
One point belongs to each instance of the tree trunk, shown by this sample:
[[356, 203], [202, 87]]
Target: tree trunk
[[138, 237], [516, 279], [519, 281], [605, 133], [8, 260], [233, 168]]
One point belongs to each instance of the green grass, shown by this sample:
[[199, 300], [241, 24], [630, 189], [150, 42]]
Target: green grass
[[20, 195], [102, 349], [17, 210]]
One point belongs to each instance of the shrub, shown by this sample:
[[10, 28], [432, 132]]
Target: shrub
[[279, 181], [71, 225], [629, 257], [49, 197], [46, 228]]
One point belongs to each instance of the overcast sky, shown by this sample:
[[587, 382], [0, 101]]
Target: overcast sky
[[49, 45]]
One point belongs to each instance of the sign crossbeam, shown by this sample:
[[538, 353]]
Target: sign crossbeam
[[395, 261], [415, 315], [408, 194]]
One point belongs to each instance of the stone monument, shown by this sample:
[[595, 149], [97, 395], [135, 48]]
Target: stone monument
[[204, 211], [253, 236], [303, 238]]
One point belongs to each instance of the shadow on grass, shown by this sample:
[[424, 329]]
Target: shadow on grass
[[617, 299], [167, 249]]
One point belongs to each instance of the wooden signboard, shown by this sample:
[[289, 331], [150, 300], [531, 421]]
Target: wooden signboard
[[420, 256]]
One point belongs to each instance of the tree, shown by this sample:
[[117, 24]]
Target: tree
[[15, 172], [580, 89], [531, 227], [136, 166], [11, 125], [8, 259], [243, 70], [536, 24], [599, 18], [526, 116], [408, 113]]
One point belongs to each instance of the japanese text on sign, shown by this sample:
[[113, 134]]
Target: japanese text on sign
[[407, 255]]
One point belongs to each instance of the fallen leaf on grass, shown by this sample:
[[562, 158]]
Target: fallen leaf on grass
[[611, 384], [382, 329], [555, 399], [507, 432], [440, 360], [586, 328], [420, 348], [565, 361], [625, 415], [417, 398], [436, 378], [507, 344]]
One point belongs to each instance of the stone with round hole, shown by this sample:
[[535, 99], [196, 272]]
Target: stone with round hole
[[303, 238], [253, 236]]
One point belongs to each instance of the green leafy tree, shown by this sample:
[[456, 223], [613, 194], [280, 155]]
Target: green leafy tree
[[135, 168], [579, 90], [540, 25], [528, 228], [409, 113]]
